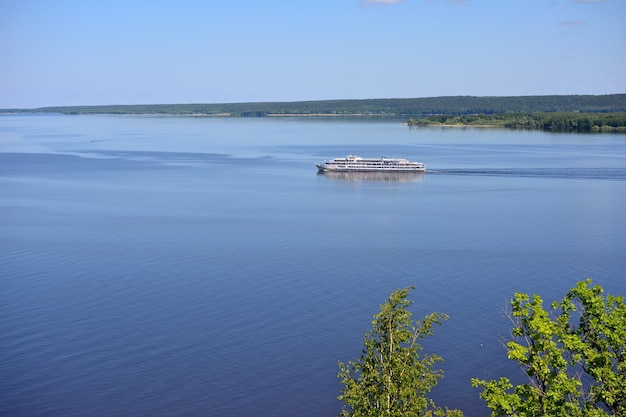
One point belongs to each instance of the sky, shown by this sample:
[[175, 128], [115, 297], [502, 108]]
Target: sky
[[77, 52]]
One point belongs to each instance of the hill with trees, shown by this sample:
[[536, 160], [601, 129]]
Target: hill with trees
[[399, 107]]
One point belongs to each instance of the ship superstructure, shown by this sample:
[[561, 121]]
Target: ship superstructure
[[354, 163]]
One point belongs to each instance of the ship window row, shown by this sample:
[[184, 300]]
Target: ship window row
[[374, 165]]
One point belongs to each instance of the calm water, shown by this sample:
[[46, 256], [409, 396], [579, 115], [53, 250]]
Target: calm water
[[178, 267]]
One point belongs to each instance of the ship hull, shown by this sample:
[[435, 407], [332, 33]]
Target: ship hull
[[335, 169]]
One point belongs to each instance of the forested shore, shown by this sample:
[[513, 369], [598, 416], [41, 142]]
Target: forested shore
[[557, 122], [572, 113], [399, 107]]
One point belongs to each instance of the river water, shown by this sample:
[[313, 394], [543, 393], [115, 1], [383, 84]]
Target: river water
[[162, 266]]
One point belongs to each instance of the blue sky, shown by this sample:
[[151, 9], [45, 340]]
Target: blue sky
[[212, 51]]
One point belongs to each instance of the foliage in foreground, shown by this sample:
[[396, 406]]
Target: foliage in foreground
[[391, 378], [573, 356]]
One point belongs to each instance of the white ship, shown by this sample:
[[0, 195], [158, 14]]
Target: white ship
[[353, 163]]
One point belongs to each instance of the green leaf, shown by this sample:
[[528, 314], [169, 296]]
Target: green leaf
[[391, 378]]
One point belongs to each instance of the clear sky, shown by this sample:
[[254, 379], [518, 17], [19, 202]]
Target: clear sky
[[81, 52]]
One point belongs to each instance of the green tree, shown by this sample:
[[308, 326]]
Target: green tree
[[391, 378], [573, 357]]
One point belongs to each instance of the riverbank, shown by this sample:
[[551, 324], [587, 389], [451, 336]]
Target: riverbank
[[394, 107], [548, 121]]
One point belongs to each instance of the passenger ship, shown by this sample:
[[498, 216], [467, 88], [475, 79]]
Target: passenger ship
[[353, 163]]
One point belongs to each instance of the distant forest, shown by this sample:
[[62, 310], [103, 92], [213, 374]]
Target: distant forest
[[556, 122], [576, 113], [398, 107]]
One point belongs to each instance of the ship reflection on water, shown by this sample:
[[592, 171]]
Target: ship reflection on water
[[374, 176]]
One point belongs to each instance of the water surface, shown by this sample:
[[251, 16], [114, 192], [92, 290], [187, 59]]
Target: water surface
[[201, 266]]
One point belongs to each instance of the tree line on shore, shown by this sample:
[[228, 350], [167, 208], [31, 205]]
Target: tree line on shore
[[556, 122], [573, 355], [572, 113], [398, 107]]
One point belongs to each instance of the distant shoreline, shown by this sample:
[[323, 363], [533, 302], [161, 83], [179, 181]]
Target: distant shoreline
[[613, 122], [387, 107], [582, 113]]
